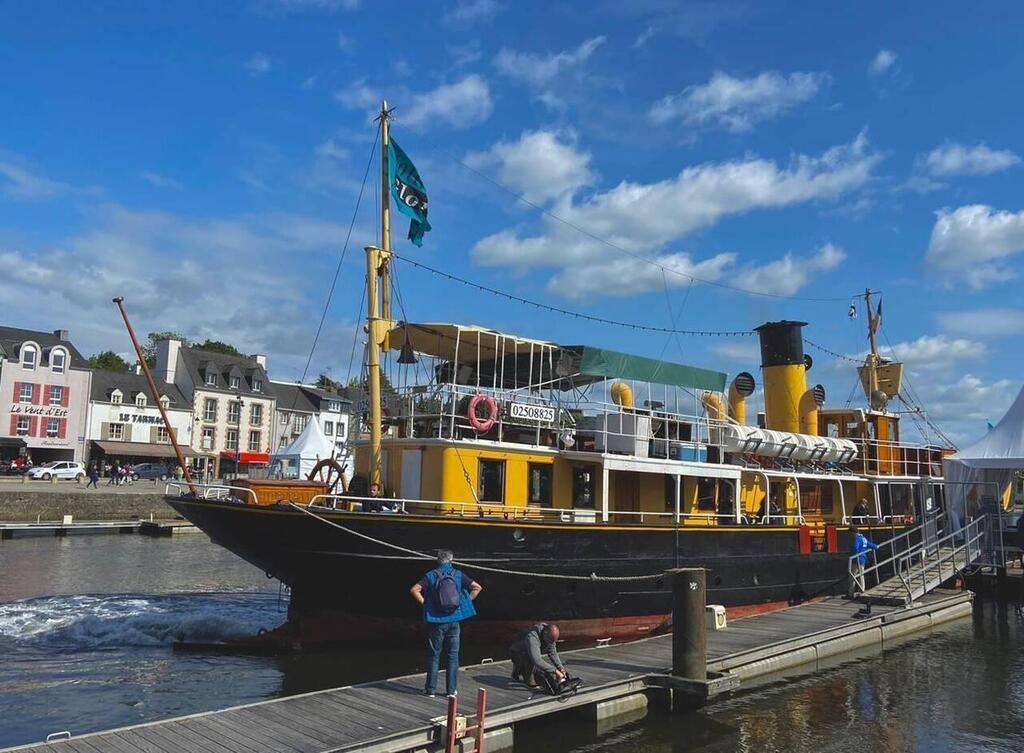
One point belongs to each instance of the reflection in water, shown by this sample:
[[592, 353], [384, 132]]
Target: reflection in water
[[87, 627], [961, 688]]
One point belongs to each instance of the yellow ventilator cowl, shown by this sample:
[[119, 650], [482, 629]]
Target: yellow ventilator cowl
[[741, 388], [622, 394], [785, 374], [813, 399]]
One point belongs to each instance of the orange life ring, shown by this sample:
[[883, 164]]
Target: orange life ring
[[482, 425]]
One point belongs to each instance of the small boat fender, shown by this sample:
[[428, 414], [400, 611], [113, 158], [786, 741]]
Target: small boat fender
[[482, 425]]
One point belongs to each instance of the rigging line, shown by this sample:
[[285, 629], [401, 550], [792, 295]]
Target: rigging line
[[832, 353], [673, 318], [355, 333], [620, 249], [568, 312], [916, 396], [470, 565], [337, 273]]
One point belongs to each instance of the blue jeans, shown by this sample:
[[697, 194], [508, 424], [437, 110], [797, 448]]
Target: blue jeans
[[442, 637]]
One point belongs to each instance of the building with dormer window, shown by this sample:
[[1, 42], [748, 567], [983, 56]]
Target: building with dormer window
[[233, 409], [44, 396], [125, 425]]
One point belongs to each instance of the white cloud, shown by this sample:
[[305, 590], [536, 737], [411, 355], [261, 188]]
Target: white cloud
[[19, 182], [160, 181], [644, 37], [988, 322], [465, 54], [258, 64], [119, 249], [623, 276], [969, 399], [644, 217], [539, 165], [472, 11], [956, 159], [972, 242], [462, 104], [786, 276], [747, 350], [538, 70], [935, 352], [882, 62], [737, 104], [358, 95], [345, 43]]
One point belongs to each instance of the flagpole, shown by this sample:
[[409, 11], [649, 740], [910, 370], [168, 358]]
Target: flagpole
[[378, 307], [872, 358], [385, 217]]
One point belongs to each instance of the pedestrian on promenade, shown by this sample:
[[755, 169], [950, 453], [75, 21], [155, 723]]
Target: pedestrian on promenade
[[94, 478], [526, 650], [115, 474], [446, 595], [861, 545]]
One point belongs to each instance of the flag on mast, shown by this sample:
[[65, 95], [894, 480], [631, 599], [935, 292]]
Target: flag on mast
[[409, 192], [876, 320]]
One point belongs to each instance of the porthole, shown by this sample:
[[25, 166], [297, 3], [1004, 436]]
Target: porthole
[[519, 535]]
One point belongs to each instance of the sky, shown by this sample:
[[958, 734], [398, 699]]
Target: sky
[[703, 166]]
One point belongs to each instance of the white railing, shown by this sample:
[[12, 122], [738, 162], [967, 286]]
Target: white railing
[[211, 491]]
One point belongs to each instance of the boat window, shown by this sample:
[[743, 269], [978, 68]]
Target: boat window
[[540, 484], [706, 494], [492, 481], [583, 487], [853, 429], [832, 429], [670, 493]]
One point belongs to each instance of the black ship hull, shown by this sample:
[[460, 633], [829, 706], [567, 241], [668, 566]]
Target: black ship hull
[[345, 587]]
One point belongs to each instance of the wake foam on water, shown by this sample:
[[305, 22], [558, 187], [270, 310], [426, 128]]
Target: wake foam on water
[[108, 621]]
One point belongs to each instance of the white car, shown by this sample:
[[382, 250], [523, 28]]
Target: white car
[[58, 469]]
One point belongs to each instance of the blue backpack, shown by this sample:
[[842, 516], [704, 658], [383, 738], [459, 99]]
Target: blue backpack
[[449, 592]]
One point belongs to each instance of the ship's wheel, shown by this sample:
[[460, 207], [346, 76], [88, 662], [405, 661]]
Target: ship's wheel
[[331, 474]]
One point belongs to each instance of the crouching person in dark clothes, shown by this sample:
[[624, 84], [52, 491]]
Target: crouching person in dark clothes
[[526, 655]]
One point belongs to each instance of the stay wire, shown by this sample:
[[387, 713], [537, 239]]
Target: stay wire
[[627, 252], [569, 313], [337, 269]]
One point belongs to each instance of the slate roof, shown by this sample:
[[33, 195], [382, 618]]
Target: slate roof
[[303, 397], [200, 362], [105, 382], [11, 339]]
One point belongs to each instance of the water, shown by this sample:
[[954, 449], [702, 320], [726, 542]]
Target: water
[[87, 626]]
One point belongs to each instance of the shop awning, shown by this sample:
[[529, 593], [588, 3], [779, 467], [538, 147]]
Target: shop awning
[[13, 442], [142, 449], [247, 458]]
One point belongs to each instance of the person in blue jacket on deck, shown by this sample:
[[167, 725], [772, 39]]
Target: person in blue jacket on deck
[[861, 545], [446, 595]]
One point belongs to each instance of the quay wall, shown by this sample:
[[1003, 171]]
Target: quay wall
[[16, 507]]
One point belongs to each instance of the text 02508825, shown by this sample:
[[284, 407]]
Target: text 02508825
[[539, 413]]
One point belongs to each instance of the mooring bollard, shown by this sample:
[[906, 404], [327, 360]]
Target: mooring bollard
[[689, 627]]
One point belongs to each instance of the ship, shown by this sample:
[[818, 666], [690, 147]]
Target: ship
[[569, 480]]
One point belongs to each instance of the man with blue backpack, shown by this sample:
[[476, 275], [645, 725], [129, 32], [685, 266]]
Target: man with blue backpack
[[446, 595]]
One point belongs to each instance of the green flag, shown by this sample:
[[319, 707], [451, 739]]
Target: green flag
[[409, 192]]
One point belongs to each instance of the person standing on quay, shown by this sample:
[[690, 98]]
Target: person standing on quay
[[94, 478], [446, 595]]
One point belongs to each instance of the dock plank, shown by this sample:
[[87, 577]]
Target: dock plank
[[394, 712]]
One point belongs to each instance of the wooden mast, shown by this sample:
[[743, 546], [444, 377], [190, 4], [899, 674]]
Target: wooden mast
[[156, 396], [378, 309], [872, 357]]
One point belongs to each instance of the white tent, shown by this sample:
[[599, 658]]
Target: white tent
[[987, 468], [308, 448]]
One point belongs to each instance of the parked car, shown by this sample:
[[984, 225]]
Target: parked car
[[57, 469], [151, 470]]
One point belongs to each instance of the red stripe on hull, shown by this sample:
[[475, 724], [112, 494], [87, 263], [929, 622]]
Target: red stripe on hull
[[340, 628]]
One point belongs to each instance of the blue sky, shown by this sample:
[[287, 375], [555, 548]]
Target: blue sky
[[203, 160]]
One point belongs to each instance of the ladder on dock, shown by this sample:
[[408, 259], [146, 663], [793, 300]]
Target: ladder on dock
[[917, 562]]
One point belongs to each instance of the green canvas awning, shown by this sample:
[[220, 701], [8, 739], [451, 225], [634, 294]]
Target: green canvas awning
[[610, 364]]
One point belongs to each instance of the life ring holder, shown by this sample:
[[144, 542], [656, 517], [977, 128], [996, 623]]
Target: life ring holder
[[482, 425]]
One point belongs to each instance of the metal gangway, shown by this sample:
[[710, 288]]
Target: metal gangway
[[908, 566]]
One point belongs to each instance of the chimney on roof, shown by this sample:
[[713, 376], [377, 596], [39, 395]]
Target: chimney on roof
[[167, 359], [138, 367], [61, 334], [259, 358]]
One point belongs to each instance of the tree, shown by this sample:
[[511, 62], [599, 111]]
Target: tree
[[324, 382], [386, 388], [108, 360], [149, 349], [217, 346]]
